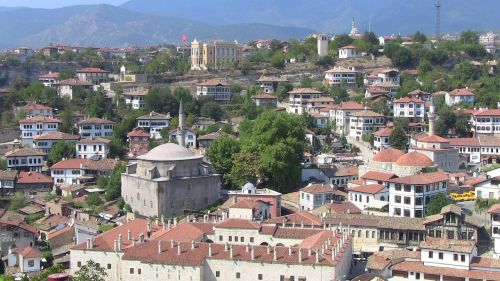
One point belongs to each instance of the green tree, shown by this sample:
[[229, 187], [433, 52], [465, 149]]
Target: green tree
[[246, 168], [419, 37], [278, 60], [462, 125], [17, 201], [398, 138], [469, 37], [436, 203], [3, 164], [112, 184], [339, 94], [212, 110], [445, 122], [306, 82], [370, 38], [90, 272], [67, 121], [60, 150], [283, 89], [161, 100], [221, 152], [93, 200], [340, 41]]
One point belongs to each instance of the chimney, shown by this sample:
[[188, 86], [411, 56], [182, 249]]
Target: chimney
[[133, 241], [159, 246], [302, 224], [283, 223], [115, 243], [119, 244], [141, 238], [247, 248], [209, 250], [289, 250], [317, 257], [333, 253], [89, 243], [179, 248], [175, 222], [226, 246], [252, 253], [268, 249], [192, 244], [231, 251], [129, 235], [300, 255], [274, 254], [171, 243], [162, 219], [309, 251]]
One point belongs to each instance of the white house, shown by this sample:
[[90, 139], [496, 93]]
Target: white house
[[349, 51], [410, 195], [66, 87], [486, 122], [250, 210], [381, 139], [360, 196], [190, 137], [92, 148], [49, 79], [341, 115], [27, 259], [35, 126], [25, 159], [45, 141], [316, 195], [7, 182], [495, 228], [35, 109], [482, 148], [153, 123], [306, 100], [341, 76], [460, 95], [411, 108], [364, 122], [265, 100], [218, 89], [382, 75], [488, 189], [269, 83], [93, 75], [96, 127], [80, 171], [136, 98]]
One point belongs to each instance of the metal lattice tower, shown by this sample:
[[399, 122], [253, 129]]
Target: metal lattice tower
[[438, 19]]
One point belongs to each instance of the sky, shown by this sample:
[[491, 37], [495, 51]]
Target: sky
[[55, 3]]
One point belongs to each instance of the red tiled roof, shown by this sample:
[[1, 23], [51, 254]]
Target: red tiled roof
[[61, 231], [433, 138], [318, 188], [464, 141], [53, 75], [408, 100], [294, 233], [426, 178], [25, 151], [417, 266], [20, 224], [348, 47], [92, 139], [487, 112], [385, 132], [247, 204], [57, 136], [495, 209], [376, 90], [138, 132], [105, 241], [414, 159], [388, 155], [95, 120], [237, 223], [370, 188], [350, 105], [264, 97], [28, 252], [298, 218], [461, 92], [33, 178], [214, 82], [342, 207], [304, 91], [35, 106], [73, 82], [39, 119], [88, 164], [378, 176], [185, 232], [92, 70]]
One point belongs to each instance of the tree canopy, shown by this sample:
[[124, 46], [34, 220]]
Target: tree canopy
[[60, 150], [436, 203]]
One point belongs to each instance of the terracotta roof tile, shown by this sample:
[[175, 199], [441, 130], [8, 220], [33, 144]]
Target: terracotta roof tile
[[92, 70], [25, 151], [487, 112], [462, 92], [237, 223], [35, 106], [138, 132], [366, 113], [385, 132], [57, 136], [388, 155], [304, 217], [417, 266], [95, 120], [426, 178], [304, 91], [378, 176], [8, 175], [370, 188], [318, 188], [264, 97], [33, 178], [414, 159], [39, 119], [408, 100]]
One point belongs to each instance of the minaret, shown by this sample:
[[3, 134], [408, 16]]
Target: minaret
[[432, 117], [181, 131]]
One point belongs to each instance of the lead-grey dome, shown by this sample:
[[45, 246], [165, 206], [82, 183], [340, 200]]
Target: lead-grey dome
[[169, 152]]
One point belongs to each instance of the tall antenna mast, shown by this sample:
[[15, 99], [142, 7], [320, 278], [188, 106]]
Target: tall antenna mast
[[438, 19]]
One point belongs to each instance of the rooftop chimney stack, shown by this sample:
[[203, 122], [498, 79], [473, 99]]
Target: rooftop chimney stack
[[89, 243], [268, 249], [209, 250], [231, 251], [179, 249], [129, 235], [141, 237], [317, 257], [274, 254], [115, 243], [171, 243], [226, 246], [252, 253], [192, 244], [159, 246], [300, 255], [289, 250]]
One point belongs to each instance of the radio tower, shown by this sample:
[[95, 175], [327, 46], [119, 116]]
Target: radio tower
[[438, 19]]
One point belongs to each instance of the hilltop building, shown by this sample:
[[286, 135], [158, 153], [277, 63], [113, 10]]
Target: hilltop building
[[215, 55]]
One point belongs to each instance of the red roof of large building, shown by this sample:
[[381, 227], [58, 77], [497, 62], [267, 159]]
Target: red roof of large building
[[303, 217], [385, 132], [370, 188], [433, 138], [408, 100], [318, 188], [350, 105], [39, 119], [487, 112], [87, 164], [138, 132], [237, 223], [57, 136], [349, 47], [378, 176], [264, 97], [28, 252], [388, 155], [462, 92], [52, 75], [92, 70], [33, 178], [35, 106], [414, 159], [426, 178]]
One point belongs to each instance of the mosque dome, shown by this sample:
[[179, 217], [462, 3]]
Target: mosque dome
[[169, 152]]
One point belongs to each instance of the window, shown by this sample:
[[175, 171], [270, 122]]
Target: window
[[79, 264], [31, 263], [217, 274], [259, 276], [431, 254], [397, 211], [131, 271], [220, 238], [109, 266], [236, 238], [251, 239], [462, 258], [440, 255], [238, 275], [407, 213], [455, 257], [242, 239], [230, 238], [139, 271], [407, 200]]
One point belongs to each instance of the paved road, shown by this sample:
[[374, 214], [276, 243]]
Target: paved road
[[366, 151]]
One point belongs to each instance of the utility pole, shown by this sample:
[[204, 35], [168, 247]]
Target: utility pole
[[438, 19]]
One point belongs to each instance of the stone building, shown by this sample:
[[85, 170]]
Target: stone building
[[451, 223]]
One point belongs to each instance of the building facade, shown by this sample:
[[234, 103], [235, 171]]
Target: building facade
[[153, 123], [35, 126], [95, 127], [364, 122], [215, 55], [218, 89], [92, 148]]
